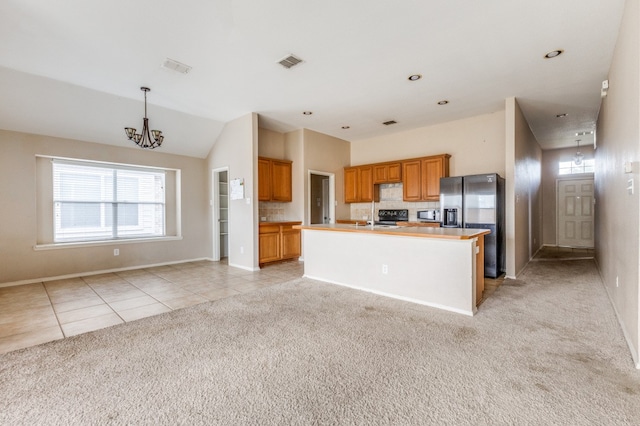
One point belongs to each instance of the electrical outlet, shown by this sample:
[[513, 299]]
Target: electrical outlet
[[241, 250], [385, 269], [116, 252]]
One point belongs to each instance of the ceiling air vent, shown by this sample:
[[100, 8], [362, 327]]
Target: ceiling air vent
[[289, 61], [176, 66], [390, 122]]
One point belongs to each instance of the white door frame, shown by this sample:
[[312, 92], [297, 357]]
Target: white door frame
[[575, 177], [332, 195], [215, 213]]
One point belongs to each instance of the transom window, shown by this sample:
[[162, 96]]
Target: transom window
[[571, 168], [94, 201]]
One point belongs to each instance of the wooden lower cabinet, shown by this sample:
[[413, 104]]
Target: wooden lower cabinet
[[291, 246], [278, 241], [269, 244]]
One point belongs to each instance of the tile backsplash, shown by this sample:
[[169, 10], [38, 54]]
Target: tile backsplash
[[273, 212], [391, 198]]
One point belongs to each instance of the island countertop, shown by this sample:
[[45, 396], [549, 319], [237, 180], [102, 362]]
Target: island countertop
[[405, 231]]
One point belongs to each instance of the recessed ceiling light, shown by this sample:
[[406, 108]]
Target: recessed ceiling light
[[346, 127], [414, 77], [307, 112], [563, 115], [443, 102], [554, 54]]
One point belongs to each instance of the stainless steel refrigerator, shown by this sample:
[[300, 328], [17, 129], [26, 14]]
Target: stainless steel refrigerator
[[477, 201]]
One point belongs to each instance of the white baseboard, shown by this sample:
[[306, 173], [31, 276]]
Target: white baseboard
[[103, 271], [246, 268], [632, 349]]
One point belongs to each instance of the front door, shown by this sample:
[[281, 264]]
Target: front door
[[575, 213]]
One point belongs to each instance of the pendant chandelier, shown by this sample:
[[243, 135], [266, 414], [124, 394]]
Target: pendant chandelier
[[145, 139], [577, 159]]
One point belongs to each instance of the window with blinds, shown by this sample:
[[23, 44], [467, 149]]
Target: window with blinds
[[95, 202]]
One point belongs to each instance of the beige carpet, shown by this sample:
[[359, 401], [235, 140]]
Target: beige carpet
[[545, 349]]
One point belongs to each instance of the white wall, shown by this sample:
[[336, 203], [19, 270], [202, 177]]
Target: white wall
[[617, 210], [18, 210], [294, 151], [271, 144], [523, 158], [237, 149], [326, 153], [476, 145]]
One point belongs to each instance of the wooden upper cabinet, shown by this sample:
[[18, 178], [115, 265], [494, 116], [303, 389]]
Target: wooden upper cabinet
[[351, 184], [264, 180], [412, 180], [395, 173], [432, 171], [380, 173], [387, 173], [358, 185], [281, 180], [274, 180], [366, 183], [421, 177]]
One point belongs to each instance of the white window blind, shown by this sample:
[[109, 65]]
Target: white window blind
[[94, 202]]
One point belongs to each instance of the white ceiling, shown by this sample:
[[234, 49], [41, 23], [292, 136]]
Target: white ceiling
[[73, 68]]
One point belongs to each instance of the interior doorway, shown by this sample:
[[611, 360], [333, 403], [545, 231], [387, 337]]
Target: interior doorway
[[575, 213], [321, 197], [220, 216]]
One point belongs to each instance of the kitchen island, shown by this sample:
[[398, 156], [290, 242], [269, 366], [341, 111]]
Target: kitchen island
[[439, 267]]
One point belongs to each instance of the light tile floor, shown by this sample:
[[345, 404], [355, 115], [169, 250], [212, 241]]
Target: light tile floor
[[32, 314]]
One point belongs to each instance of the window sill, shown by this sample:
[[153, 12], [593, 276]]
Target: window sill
[[55, 246]]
